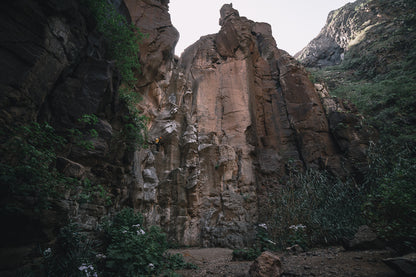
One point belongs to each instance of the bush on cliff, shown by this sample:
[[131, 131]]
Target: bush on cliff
[[123, 46]]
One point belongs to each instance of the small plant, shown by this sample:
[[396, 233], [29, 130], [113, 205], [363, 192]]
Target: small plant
[[246, 254], [82, 136], [90, 192]]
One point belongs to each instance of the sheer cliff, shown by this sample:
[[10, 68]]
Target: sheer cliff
[[233, 115]]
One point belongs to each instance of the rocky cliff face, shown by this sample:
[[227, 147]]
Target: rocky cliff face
[[233, 113], [359, 23]]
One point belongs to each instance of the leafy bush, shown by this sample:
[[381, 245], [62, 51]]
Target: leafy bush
[[72, 255], [133, 250], [246, 254], [126, 248], [313, 208], [391, 206], [81, 136], [27, 162], [122, 38], [123, 45]]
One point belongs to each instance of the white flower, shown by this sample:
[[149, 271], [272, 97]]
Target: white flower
[[151, 266], [124, 231], [137, 225], [88, 270], [141, 232], [47, 252], [263, 225], [100, 256], [296, 227]]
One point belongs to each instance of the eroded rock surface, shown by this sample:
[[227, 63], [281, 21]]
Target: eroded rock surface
[[233, 114]]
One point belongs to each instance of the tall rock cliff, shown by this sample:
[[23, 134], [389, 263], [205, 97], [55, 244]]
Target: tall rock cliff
[[234, 113]]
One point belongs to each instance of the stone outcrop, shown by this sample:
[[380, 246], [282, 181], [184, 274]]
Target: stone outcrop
[[359, 23], [364, 239], [234, 114], [404, 266]]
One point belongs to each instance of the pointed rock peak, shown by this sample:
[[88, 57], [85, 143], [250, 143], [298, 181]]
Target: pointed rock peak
[[227, 12]]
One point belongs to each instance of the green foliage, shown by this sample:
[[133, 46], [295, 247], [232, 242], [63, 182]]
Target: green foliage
[[134, 130], [378, 76], [313, 208], [89, 119], [82, 136], [72, 252], [122, 38], [126, 248], [246, 254], [391, 205], [134, 250], [123, 44], [27, 163], [90, 192]]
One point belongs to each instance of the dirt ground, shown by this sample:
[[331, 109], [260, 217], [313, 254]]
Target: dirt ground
[[333, 261]]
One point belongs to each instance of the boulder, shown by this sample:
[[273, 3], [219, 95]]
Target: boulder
[[405, 265], [70, 168], [266, 265], [364, 239]]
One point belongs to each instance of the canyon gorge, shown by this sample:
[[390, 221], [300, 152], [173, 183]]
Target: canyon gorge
[[234, 115]]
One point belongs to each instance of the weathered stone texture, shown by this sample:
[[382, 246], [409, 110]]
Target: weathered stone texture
[[233, 114]]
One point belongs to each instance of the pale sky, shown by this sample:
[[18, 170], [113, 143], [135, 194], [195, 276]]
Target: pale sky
[[294, 22]]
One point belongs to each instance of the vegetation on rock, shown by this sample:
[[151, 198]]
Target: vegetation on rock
[[123, 46], [378, 76]]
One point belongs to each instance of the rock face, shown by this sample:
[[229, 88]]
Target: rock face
[[233, 114], [360, 22], [364, 239]]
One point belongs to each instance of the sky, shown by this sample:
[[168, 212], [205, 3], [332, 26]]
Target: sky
[[294, 22]]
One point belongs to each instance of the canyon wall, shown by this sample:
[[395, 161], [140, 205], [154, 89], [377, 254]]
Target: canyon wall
[[234, 114]]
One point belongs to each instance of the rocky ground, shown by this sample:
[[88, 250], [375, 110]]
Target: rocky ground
[[333, 261]]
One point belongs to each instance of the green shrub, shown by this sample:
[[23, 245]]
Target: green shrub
[[122, 38], [28, 155], [134, 250], [391, 205], [72, 254], [313, 208], [123, 45], [246, 254]]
